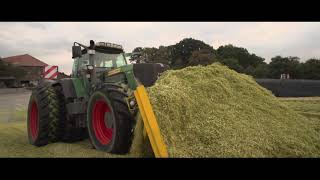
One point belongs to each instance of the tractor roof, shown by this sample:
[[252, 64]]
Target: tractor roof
[[111, 50]]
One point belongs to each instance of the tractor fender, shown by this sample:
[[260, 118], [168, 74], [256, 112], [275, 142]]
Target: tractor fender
[[68, 88], [66, 84], [47, 82]]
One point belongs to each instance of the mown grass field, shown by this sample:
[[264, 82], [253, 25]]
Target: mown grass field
[[14, 142], [309, 106]]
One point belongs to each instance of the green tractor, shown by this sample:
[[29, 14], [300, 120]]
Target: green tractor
[[97, 101]]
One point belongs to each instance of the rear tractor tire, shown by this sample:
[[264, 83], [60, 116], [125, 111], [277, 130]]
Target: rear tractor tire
[[44, 113], [109, 121]]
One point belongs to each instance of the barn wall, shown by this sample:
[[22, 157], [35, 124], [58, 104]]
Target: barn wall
[[34, 73]]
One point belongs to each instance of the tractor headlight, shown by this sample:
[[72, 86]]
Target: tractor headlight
[[132, 103]]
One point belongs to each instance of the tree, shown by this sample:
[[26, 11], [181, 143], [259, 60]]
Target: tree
[[285, 65], [183, 50], [202, 57], [232, 63], [155, 55], [249, 70], [137, 50], [177, 55], [191, 52], [244, 58], [163, 55], [311, 69], [261, 71]]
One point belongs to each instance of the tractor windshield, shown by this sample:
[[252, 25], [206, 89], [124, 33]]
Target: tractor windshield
[[104, 60]]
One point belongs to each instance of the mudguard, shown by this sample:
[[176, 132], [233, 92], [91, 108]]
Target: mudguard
[[68, 88], [47, 82]]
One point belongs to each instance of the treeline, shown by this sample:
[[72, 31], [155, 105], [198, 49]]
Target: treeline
[[192, 52]]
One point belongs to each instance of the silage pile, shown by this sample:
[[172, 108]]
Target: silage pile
[[213, 111]]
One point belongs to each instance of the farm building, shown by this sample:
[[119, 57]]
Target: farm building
[[33, 67]]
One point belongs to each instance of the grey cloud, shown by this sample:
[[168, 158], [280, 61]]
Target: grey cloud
[[37, 25], [47, 40], [45, 48], [6, 50]]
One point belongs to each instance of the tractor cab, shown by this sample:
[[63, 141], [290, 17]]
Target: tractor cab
[[103, 56], [95, 63]]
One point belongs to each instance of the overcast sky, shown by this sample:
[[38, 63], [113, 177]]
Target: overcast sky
[[51, 41]]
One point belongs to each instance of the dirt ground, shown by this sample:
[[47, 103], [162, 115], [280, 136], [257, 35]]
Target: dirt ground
[[13, 104]]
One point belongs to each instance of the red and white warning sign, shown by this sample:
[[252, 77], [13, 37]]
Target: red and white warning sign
[[50, 72]]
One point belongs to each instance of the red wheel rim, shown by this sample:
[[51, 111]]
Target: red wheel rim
[[103, 133], [34, 120]]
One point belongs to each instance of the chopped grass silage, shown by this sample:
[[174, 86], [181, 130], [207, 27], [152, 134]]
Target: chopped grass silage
[[213, 111]]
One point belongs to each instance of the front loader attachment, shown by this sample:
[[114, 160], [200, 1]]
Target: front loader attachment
[[150, 123]]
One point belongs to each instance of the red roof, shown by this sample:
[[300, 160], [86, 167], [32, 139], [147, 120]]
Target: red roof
[[24, 60]]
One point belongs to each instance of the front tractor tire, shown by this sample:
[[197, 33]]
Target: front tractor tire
[[109, 121], [43, 116]]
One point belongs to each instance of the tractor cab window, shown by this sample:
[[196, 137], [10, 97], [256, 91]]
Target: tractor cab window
[[80, 63], [75, 67], [83, 61], [104, 60]]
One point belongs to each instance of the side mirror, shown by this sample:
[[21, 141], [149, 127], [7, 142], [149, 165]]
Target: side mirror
[[76, 51]]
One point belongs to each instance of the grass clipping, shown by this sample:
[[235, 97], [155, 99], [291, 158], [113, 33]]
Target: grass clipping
[[213, 111]]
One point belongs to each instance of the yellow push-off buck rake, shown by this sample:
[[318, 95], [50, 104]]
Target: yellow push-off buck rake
[[150, 122], [99, 101]]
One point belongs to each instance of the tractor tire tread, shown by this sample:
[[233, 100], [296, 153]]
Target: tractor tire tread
[[48, 116], [117, 98]]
